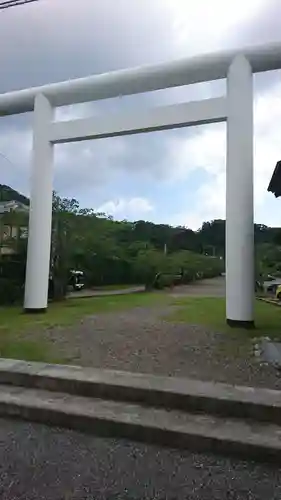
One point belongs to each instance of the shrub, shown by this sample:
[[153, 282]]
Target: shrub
[[166, 280], [10, 291]]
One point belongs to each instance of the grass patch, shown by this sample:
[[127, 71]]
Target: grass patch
[[15, 326], [210, 311], [70, 311], [11, 346]]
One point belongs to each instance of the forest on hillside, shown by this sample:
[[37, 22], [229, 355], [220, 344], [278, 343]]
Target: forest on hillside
[[115, 252], [209, 239]]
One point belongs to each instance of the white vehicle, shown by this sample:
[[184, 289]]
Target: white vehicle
[[76, 279], [271, 283]]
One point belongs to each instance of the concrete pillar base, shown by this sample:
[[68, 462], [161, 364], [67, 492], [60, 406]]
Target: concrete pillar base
[[234, 323], [34, 310]]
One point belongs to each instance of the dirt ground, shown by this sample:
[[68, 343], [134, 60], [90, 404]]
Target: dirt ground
[[143, 340], [214, 287]]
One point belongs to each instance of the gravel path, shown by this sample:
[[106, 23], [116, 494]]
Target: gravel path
[[214, 287], [37, 462], [102, 293], [142, 340]]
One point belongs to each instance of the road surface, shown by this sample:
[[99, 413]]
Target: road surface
[[37, 462], [103, 292], [213, 287]]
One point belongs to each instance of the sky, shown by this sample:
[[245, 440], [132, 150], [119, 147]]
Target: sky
[[177, 176]]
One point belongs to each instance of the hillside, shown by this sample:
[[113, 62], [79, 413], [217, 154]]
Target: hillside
[[9, 194], [209, 239], [111, 251]]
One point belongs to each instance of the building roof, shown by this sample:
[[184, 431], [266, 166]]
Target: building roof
[[6, 206], [275, 182]]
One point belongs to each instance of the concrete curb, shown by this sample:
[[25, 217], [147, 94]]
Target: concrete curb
[[156, 391], [269, 301], [151, 425]]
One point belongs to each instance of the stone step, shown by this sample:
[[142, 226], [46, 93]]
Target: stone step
[[168, 392], [175, 428]]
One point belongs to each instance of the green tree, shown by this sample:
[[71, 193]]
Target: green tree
[[63, 230]]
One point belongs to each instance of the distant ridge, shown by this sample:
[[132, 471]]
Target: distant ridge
[[9, 194]]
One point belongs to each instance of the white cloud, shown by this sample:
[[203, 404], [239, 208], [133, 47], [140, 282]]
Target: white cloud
[[15, 147], [267, 139], [74, 112], [197, 22], [78, 167], [132, 208], [183, 28], [206, 150], [90, 165]]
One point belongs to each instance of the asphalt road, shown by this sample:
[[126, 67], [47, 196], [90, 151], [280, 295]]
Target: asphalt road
[[102, 293], [37, 462]]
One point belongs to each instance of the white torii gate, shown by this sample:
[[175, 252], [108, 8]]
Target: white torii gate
[[236, 108]]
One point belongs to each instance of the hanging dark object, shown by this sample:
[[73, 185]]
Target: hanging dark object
[[275, 183]]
